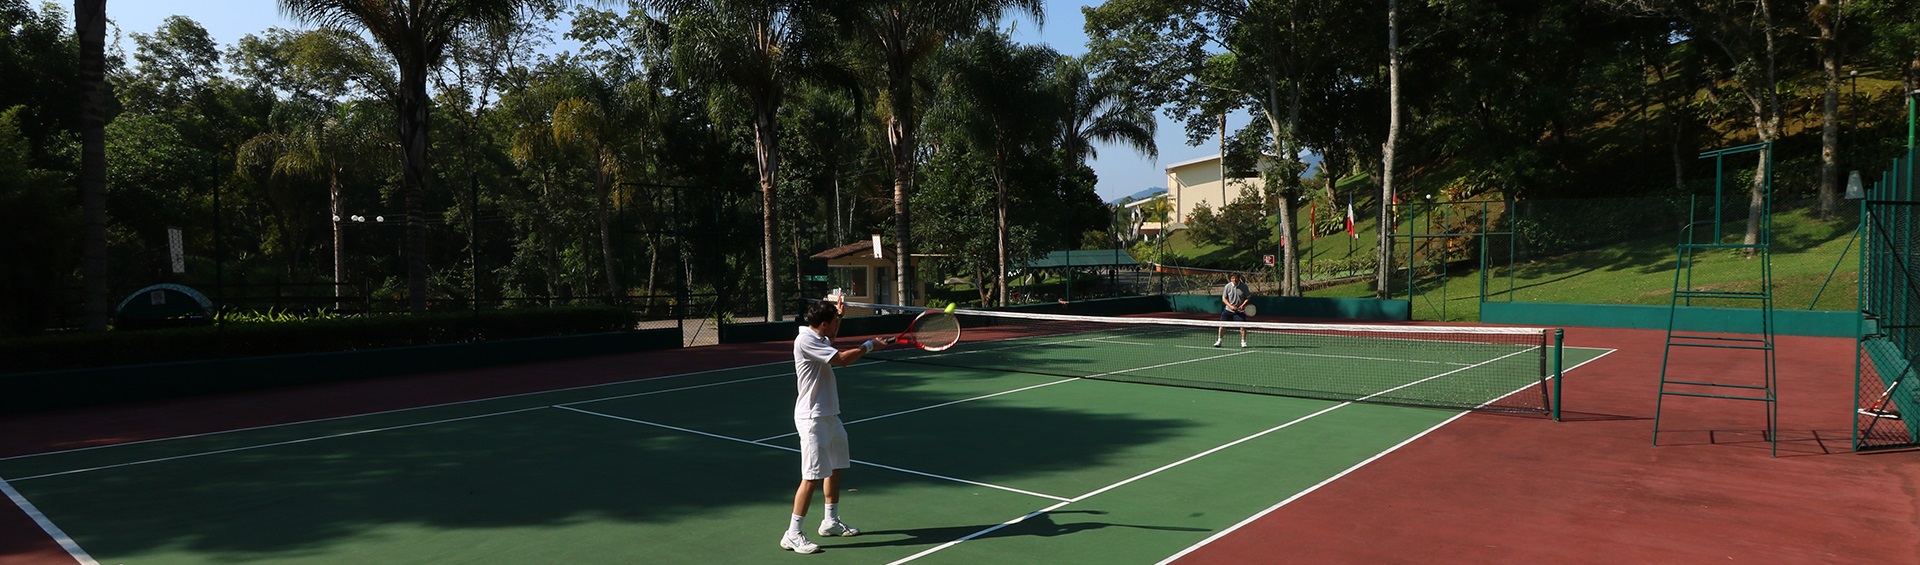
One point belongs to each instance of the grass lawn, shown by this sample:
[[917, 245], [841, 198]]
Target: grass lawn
[[1640, 271]]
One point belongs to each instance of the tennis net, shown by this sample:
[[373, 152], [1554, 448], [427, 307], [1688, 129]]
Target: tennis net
[[1499, 369]]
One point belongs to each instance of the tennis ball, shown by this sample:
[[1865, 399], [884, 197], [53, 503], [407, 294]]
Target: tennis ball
[[950, 308]]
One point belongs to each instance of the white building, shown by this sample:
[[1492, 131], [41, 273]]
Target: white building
[[1193, 182]]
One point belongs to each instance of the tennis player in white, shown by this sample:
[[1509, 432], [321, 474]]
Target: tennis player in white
[[816, 414]]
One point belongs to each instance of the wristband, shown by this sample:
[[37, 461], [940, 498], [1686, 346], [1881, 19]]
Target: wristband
[[867, 347]]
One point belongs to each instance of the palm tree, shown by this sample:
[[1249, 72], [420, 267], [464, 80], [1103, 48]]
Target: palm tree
[[90, 25], [603, 117], [318, 143], [415, 33], [904, 34], [750, 50], [1098, 110], [1007, 110]]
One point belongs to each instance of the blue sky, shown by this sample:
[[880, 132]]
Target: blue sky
[[1122, 171]]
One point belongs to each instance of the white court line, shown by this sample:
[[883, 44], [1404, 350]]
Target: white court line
[[1296, 496], [1364, 398], [60, 537], [1295, 353], [317, 420], [653, 392], [1203, 454], [785, 448], [1330, 356], [1019, 390], [1603, 353], [1356, 466], [367, 431], [985, 396], [1162, 468], [278, 443]]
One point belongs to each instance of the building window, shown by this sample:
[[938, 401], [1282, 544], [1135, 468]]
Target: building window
[[852, 280]]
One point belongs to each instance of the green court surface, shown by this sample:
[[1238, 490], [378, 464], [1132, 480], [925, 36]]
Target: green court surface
[[954, 465]]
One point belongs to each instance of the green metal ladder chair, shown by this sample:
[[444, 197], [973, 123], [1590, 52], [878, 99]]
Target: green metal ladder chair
[[1685, 292]]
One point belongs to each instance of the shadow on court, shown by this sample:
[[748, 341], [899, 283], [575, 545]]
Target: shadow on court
[[602, 487], [1038, 526]]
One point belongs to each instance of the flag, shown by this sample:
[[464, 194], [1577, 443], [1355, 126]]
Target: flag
[[1350, 230], [1313, 225]]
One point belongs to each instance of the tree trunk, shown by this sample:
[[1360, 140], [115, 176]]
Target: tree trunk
[[339, 239], [1383, 258], [90, 23], [413, 105], [1767, 123], [1000, 225], [1823, 16], [900, 140], [1676, 115], [605, 213], [766, 148]]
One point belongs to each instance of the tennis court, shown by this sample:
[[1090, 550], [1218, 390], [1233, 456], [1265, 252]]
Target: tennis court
[[954, 464]]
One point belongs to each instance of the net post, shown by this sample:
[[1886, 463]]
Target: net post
[[1559, 337]]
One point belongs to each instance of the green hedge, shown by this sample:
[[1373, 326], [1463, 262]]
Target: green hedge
[[248, 339]]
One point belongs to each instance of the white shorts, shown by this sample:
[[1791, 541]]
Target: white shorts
[[823, 446]]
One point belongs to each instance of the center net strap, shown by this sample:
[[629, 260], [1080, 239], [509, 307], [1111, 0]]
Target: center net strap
[[1501, 369]]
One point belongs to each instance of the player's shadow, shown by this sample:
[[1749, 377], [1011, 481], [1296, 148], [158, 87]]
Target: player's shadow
[[1042, 525]]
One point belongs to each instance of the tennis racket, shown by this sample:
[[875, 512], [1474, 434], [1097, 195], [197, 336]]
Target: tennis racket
[[1249, 310], [932, 330], [1878, 409]]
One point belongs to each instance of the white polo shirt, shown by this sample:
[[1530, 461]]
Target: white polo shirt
[[819, 393]]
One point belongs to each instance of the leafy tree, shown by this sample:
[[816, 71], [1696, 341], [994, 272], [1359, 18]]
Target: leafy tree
[[999, 104], [1242, 224], [415, 34], [1098, 109], [37, 57], [313, 142], [601, 117], [539, 202], [1743, 34], [172, 66], [903, 35], [749, 52], [34, 202], [1201, 60]]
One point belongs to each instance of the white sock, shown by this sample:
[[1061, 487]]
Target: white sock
[[833, 513], [794, 525]]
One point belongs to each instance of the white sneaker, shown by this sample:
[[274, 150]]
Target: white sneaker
[[838, 529], [1216, 343], [1243, 344], [797, 542]]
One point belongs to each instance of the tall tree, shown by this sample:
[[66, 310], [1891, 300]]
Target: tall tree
[[1098, 109], [903, 34], [1263, 55], [1743, 33], [604, 116], [750, 51], [90, 25], [1383, 246], [1004, 110], [1826, 16], [319, 143], [415, 33]]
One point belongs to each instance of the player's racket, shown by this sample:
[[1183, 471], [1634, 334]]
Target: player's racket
[[1249, 310], [932, 330]]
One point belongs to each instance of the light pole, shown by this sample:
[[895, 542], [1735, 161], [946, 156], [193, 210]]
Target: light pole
[[1911, 96]]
